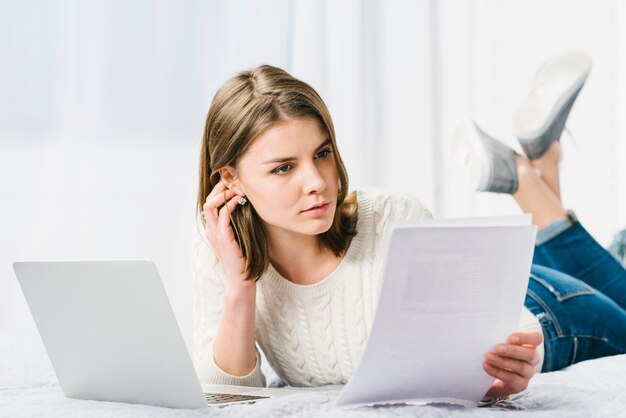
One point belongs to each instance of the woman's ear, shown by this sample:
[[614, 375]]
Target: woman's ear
[[229, 178]]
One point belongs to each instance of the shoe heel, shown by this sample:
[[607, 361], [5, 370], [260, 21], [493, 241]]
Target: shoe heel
[[541, 118], [535, 148]]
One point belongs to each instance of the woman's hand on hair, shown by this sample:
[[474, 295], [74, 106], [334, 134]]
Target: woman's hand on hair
[[216, 211], [512, 363]]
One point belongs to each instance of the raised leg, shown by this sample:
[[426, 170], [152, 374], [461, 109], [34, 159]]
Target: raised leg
[[535, 196], [561, 246]]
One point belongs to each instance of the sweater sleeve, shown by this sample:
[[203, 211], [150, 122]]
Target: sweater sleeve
[[390, 207], [209, 291]]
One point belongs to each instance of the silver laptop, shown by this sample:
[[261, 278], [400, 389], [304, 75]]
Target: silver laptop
[[111, 335]]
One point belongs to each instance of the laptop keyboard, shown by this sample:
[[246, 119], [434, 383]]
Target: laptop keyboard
[[217, 398]]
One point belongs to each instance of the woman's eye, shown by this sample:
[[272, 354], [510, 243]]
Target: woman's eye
[[282, 169], [323, 153]]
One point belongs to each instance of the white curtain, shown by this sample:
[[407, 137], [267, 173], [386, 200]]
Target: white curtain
[[102, 106]]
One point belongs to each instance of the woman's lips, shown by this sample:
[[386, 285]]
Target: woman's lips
[[317, 210]]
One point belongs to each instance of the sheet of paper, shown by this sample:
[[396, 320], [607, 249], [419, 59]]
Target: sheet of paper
[[451, 291], [506, 220]]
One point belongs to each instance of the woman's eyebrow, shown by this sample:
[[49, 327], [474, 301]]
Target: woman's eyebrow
[[286, 159]]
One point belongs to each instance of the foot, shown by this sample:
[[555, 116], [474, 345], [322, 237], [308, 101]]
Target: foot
[[541, 118], [491, 164]]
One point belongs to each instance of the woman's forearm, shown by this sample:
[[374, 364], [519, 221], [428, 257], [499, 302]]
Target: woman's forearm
[[233, 348]]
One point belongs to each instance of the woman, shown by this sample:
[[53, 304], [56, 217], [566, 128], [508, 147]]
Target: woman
[[285, 256]]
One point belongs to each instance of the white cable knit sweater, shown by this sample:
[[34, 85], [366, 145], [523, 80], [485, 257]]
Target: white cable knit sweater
[[312, 335]]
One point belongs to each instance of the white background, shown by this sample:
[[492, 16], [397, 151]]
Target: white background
[[102, 105]]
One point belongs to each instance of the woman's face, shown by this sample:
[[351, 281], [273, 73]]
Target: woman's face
[[290, 177]]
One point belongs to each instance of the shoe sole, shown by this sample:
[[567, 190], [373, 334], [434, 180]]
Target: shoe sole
[[556, 82]]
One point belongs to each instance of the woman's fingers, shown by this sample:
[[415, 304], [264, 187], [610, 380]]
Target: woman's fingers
[[226, 210], [213, 201], [519, 367], [512, 364], [513, 382], [217, 200], [216, 190], [527, 354]]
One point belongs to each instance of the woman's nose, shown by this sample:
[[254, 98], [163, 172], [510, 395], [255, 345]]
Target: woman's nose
[[313, 180]]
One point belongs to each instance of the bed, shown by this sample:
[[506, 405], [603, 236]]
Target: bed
[[29, 388]]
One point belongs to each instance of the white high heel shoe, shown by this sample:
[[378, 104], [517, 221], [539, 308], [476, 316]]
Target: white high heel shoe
[[490, 164], [541, 118]]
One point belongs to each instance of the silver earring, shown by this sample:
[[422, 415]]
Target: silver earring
[[242, 200]]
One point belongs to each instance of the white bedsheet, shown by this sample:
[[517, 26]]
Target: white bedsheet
[[593, 388]]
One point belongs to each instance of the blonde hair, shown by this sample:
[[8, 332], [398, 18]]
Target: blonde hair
[[243, 108]]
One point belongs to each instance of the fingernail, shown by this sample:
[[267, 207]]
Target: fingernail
[[501, 349], [514, 339], [491, 357]]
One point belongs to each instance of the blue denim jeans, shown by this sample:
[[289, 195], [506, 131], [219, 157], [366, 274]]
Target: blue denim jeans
[[577, 290]]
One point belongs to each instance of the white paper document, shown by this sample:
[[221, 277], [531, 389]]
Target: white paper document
[[451, 291]]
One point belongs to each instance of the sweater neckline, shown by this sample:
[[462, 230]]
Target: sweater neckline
[[281, 285]]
